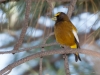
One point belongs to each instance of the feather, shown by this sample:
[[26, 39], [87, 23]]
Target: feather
[[75, 35]]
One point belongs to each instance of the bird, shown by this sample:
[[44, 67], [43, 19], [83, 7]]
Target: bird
[[66, 33]]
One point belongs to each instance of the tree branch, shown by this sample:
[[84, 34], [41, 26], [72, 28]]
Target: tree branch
[[30, 48], [4, 1], [25, 25], [70, 10], [47, 53], [71, 7], [66, 64]]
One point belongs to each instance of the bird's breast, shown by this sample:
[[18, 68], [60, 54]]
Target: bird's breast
[[63, 34]]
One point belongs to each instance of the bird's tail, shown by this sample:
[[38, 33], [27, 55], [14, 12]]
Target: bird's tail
[[77, 57]]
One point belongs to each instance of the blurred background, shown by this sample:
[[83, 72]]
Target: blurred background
[[86, 18]]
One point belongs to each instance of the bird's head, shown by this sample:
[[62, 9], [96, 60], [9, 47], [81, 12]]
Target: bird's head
[[60, 16]]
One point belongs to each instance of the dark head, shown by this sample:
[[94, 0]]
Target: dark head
[[60, 16]]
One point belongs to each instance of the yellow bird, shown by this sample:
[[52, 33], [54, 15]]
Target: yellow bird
[[66, 32]]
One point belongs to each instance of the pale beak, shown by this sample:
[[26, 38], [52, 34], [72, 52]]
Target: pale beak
[[54, 18]]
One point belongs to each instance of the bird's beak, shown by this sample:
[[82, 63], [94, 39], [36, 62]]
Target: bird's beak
[[54, 18]]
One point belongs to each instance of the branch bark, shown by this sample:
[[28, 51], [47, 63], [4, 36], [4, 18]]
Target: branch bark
[[47, 53], [30, 48], [66, 64], [25, 25], [4, 1], [70, 10], [71, 7]]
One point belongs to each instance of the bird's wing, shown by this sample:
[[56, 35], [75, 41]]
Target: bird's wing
[[75, 35]]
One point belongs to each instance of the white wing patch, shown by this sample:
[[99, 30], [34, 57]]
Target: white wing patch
[[76, 36]]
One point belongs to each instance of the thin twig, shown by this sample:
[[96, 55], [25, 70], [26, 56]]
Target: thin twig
[[51, 6], [51, 34], [70, 10], [3, 1], [47, 53], [41, 58], [71, 7], [30, 48], [31, 21], [25, 25], [66, 64], [40, 65]]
